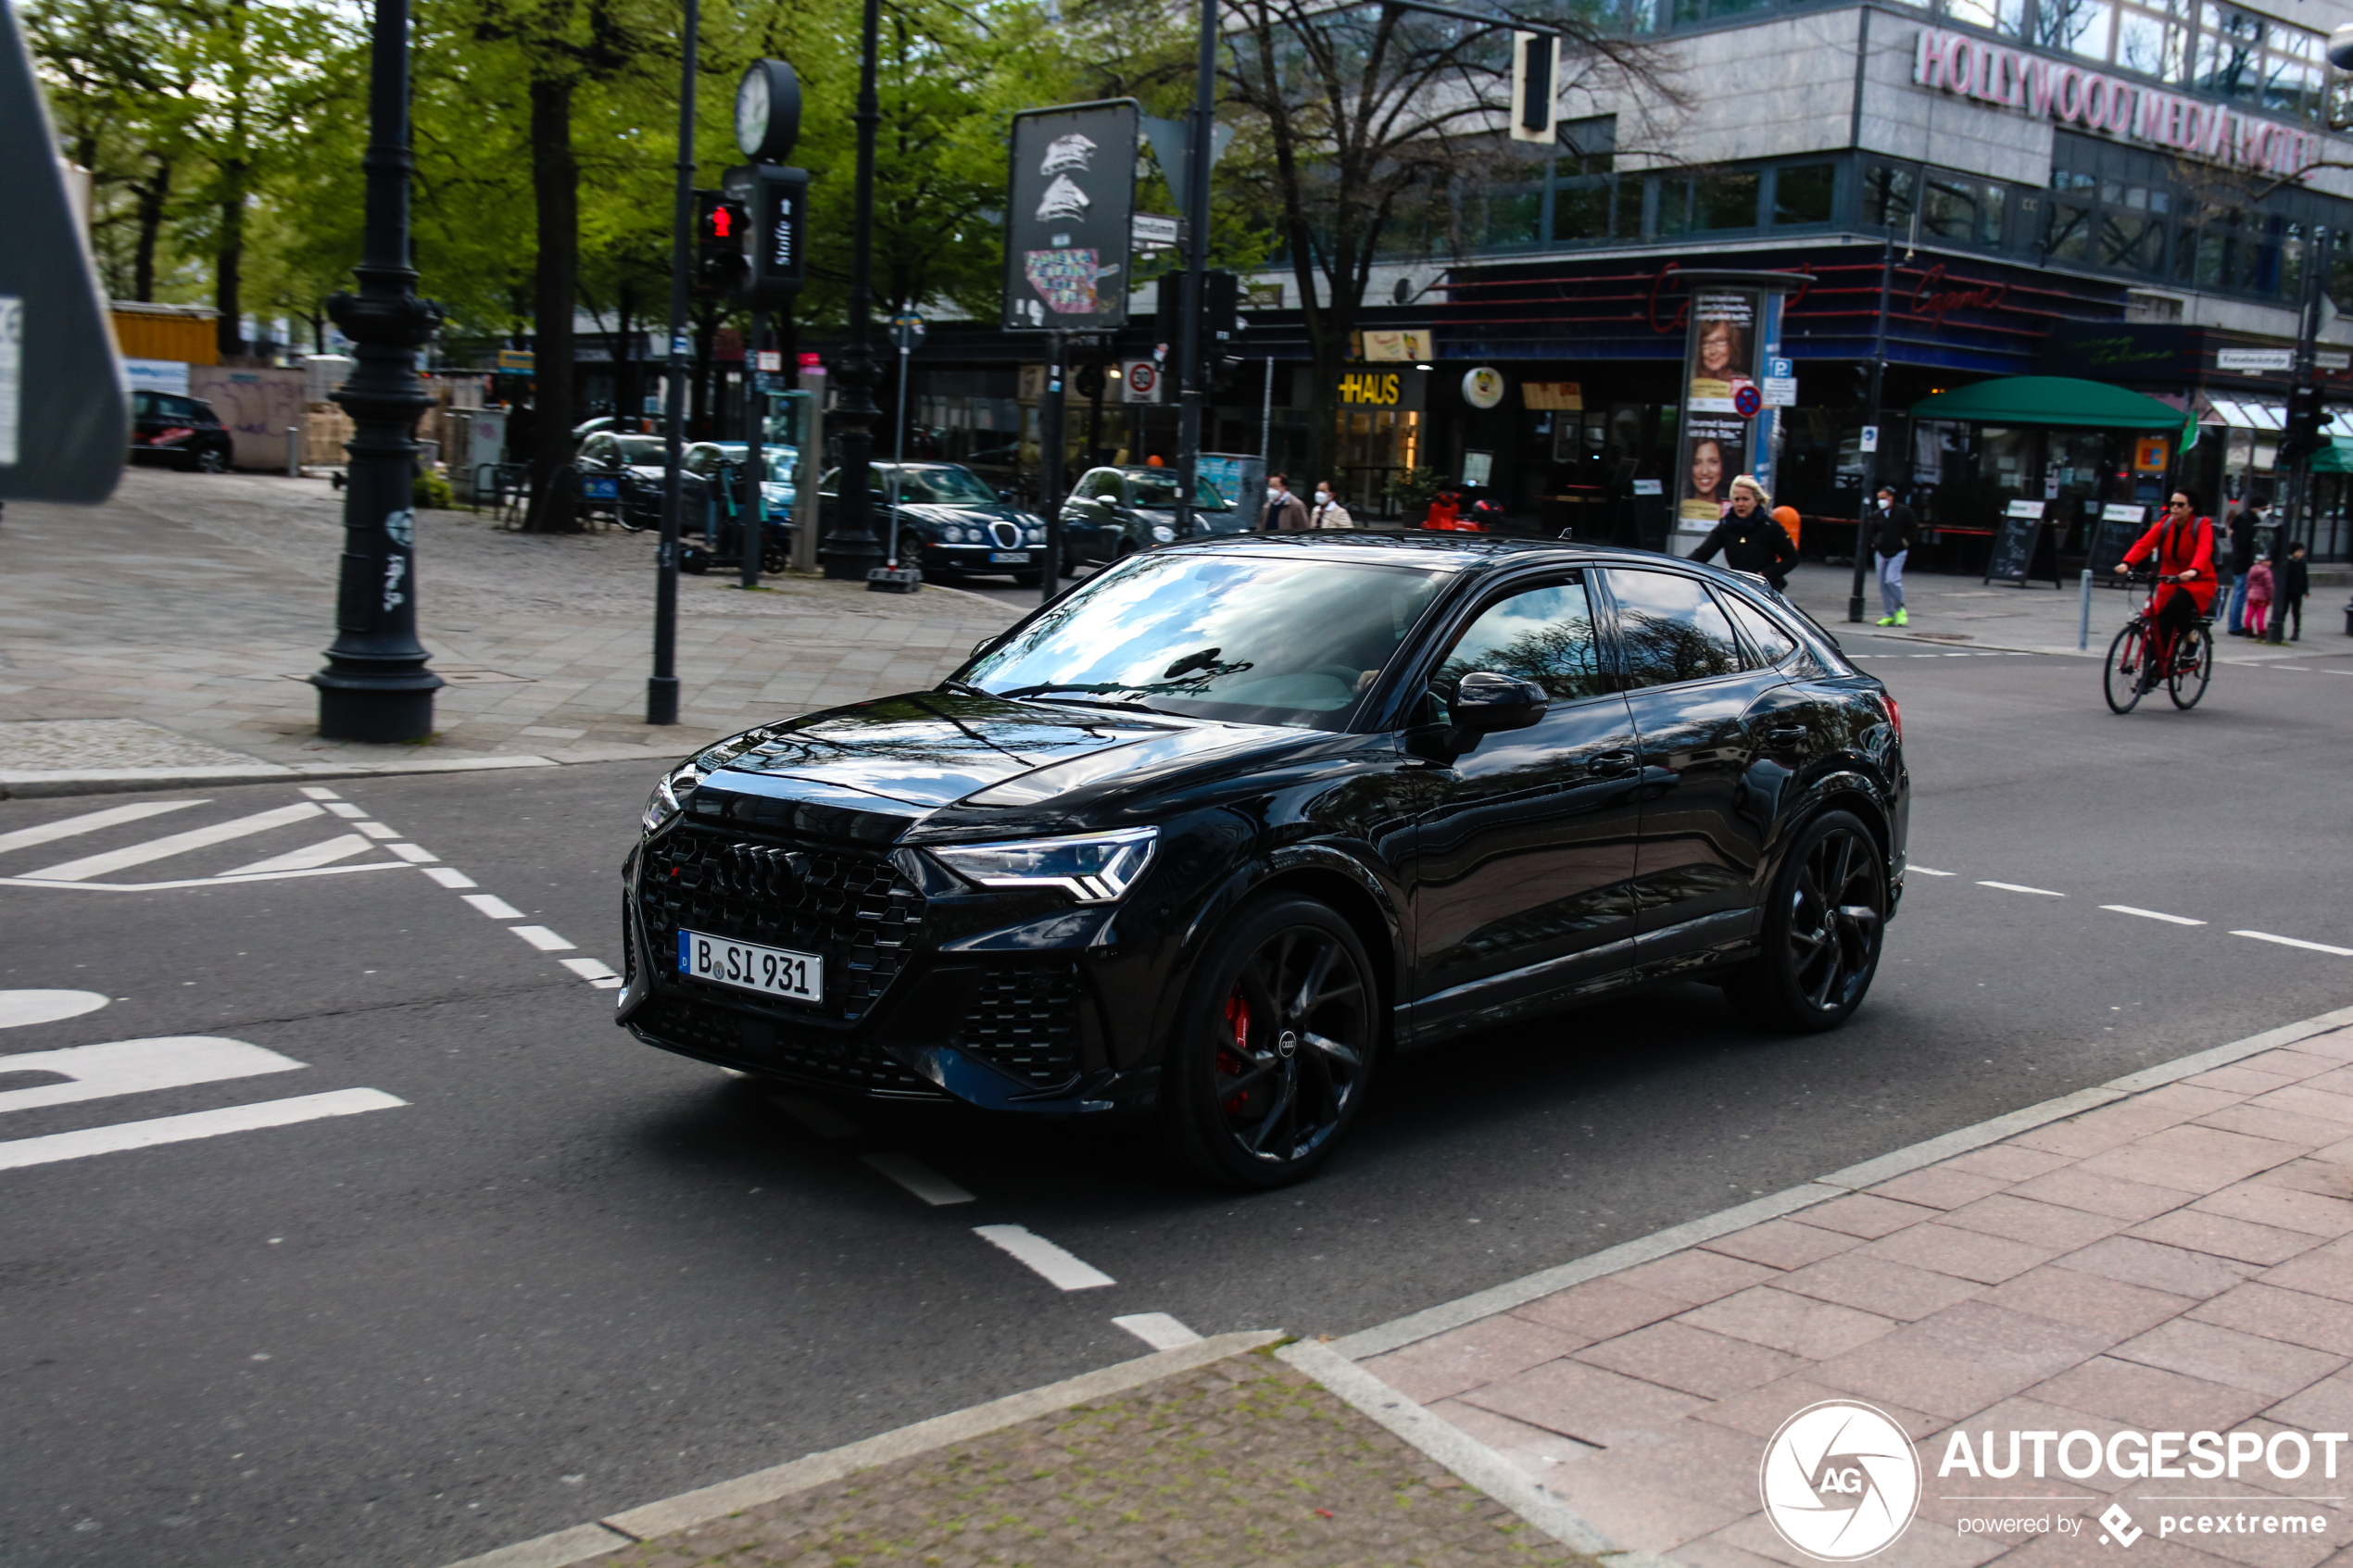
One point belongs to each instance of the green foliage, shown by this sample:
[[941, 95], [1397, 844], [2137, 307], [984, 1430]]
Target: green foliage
[[1415, 488], [431, 491]]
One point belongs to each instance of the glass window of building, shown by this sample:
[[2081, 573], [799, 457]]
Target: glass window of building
[[1804, 192], [2005, 16], [2083, 27]]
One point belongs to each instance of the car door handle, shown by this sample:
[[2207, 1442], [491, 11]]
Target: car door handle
[[1612, 763], [1788, 734]]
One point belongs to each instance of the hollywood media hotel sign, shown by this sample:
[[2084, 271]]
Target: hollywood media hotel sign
[[2072, 96]]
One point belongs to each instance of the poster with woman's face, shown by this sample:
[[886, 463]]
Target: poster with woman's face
[[1720, 359]]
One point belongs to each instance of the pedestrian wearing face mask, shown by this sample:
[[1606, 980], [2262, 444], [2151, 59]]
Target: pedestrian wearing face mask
[[1286, 513], [1327, 512]]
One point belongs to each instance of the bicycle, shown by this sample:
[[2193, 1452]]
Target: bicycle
[[2131, 666]]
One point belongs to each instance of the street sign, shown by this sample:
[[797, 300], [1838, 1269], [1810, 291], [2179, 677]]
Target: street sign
[[1069, 201], [907, 332], [64, 409], [1746, 401], [1150, 232], [2254, 361], [776, 241], [1871, 438]]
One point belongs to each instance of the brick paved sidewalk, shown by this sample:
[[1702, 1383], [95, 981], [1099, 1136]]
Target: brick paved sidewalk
[[199, 602], [2181, 1260]]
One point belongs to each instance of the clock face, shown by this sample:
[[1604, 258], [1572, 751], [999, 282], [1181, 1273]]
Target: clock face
[[751, 111]]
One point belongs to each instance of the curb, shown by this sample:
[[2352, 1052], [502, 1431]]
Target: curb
[[33, 785], [1416, 1326], [616, 1532]]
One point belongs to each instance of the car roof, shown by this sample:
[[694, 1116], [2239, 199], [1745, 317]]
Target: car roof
[[1458, 552]]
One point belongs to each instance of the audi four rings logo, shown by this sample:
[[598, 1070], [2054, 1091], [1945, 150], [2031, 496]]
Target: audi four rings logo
[[758, 869], [1840, 1481]]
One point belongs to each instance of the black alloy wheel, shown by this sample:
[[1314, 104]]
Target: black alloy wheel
[[1276, 1046], [2192, 667], [210, 460], [2126, 676], [1823, 928]]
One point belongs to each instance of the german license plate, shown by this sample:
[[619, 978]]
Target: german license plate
[[1009, 558], [600, 488], [774, 971]]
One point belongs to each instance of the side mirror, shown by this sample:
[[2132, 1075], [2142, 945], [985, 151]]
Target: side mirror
[[1488, 703]]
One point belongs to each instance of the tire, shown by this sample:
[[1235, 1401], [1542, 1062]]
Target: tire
[[1825, 923], [2185, 682], [693, 559], [209, 459], [1256, 1089], [2126, 675]]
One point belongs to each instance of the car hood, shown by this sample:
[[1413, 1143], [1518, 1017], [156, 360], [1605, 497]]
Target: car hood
[[936, 749]]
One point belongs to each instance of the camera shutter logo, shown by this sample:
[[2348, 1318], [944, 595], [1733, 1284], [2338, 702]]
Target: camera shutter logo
[[1840, 1481]]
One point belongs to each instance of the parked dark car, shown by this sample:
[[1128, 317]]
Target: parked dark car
[[1117, 511], [633, 466], [183, 431], [950, 523], [1206, 838]]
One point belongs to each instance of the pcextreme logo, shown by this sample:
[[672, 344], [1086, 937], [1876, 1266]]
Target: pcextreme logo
[[1840, 1481]]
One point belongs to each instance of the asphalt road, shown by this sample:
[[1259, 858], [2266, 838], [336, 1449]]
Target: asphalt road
[[567, 1275]]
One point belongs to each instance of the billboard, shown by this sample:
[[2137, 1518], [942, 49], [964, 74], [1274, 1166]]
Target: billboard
[[1070, 199], [1720, 364]]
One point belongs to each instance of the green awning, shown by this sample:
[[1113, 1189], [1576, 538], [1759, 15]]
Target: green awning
[[2335, 456], [2050, 400]]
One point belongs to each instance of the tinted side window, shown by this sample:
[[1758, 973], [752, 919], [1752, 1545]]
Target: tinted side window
[[1764, 634], [1101, 485], [142, 404], [1543, 634], [599, 449], [1669, 629]]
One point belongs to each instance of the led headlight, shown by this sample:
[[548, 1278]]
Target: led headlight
[[668, 798], [1093, 868], [1164, 533], [1034, 534]]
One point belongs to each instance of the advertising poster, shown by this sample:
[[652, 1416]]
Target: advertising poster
[[1070, 196], [1720, 364]]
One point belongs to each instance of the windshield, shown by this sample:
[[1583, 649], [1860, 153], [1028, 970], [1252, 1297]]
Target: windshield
[[1217, 636], [641, 449], [775, 456], [941, 485], [1159, 490]]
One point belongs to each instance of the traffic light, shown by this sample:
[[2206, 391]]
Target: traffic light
[[1534, 96], [2305, 414], [721, 226], [1221, 321]]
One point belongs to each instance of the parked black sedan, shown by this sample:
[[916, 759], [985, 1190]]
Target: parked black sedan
[[1119, 511], [1206, 839], [950, 523], [183, 431]]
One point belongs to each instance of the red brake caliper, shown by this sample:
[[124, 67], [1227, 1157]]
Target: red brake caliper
[[1230, 1060]]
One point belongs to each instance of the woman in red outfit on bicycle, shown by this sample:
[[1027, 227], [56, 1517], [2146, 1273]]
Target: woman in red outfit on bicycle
[[2183, 544]]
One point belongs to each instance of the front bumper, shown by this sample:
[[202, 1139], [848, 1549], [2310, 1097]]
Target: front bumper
[[934, 991], [974, 558]]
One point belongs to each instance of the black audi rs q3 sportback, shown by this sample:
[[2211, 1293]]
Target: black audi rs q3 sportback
[[1208, 837]]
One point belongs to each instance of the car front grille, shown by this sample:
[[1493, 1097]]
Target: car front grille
[[817, 1056], [851, 908], [1024, 1019]]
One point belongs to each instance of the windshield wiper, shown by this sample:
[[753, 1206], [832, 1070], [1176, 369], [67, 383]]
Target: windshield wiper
[[1042, 693], [967, 687]]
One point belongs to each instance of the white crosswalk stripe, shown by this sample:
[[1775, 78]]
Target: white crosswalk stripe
[[113, 860], [89, 821], [326, 852]]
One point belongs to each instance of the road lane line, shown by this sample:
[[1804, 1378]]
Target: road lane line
[[817, 1116], [1925, 871], [450, 876], [320, 792], [376, 830], [346, 810], [19, 1152], [494, 906], [224, 879], [2152, 914], [1059, 1268], [130, 1067], [2021, 887], [176, 844], [412, 853], [542, 939], [2297, 942], [89, 821], [326, 852], [919, 1179], [19, 1008], [591, 970], [1158, 1330]]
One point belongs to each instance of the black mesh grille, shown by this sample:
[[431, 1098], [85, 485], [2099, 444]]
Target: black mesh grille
[[1025, 1020], [853, 908], [706, 1028]]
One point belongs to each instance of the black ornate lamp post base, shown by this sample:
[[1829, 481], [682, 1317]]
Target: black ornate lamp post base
[[384, 710]]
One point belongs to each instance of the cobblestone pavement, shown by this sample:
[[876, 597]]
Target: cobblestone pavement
[[1245, 1461], [201, 602], [2173, 1263]]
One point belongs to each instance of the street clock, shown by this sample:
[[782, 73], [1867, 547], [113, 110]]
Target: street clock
[[767, 111]]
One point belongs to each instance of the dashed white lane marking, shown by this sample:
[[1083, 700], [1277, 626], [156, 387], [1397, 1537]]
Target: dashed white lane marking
[[1925, 871], [346, 810], [450, 876], [320, 792], [19, 1008], [20, 1152], [412, 853], [2021, 887], [494, 907], [175, 843], [376, 830], [89, 821], [2297, 942], [595, 970], [923, 1181], [326, 852], [542, 939], [1158, 1330], [1058, 1268], [130, 1067], [817, 1116], [2152, 914]]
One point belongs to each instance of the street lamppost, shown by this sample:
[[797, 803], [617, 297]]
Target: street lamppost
[[851, 550], [375, 686], [661, 686]]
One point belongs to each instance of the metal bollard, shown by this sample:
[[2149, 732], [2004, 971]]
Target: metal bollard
[[2083, 627], [293, 451]]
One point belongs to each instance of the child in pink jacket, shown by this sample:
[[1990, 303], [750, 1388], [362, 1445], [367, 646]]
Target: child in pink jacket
[[2258, 598]]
